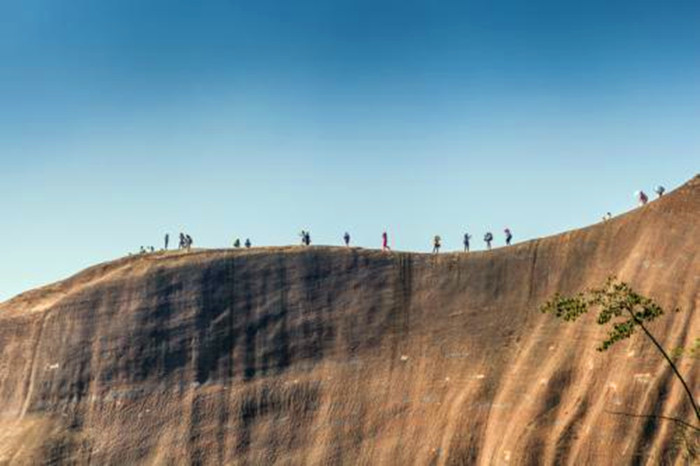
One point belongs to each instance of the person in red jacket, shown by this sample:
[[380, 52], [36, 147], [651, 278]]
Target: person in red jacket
[[385, 242]]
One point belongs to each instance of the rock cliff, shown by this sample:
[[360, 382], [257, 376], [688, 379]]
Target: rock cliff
[[351, 356]]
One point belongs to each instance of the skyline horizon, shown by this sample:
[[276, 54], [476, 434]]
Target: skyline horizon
[[476, 245]]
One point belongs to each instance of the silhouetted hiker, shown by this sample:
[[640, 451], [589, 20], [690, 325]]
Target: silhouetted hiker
[[142, 250], [302, 235], [167, 240], [237, 243], [436, 244], [248, 244], [346, 238], [509, 236], [188, 242], [642, 198], [307, 239], [660, 190], [385, 242], [182, 241], [467, 237], [488, 237]]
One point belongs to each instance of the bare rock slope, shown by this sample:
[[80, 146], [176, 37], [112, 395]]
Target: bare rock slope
[[350, 356]]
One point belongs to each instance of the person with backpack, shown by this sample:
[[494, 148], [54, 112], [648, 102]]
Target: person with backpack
[[188, 242], [302, 235], [488, 237], [346, 239], [248, 244], [509, 236], [436, 244], [467, 237], [642, 198], [660, 190], [237, 243]]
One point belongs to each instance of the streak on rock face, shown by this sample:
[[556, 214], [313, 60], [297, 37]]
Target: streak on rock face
[[350, 356]]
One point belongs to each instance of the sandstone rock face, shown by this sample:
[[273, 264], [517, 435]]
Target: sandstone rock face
[[350, 356]]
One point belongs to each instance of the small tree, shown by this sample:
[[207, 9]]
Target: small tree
[[625, 310]]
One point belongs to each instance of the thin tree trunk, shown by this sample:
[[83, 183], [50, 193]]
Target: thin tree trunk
[[668, 359]]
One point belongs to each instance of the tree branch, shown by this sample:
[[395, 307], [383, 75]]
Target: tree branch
[[666, 418]]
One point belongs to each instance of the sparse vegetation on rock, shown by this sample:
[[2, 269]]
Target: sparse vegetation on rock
[[624, 311]]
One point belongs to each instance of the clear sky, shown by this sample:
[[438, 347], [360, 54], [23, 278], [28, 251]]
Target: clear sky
[[121, 120]]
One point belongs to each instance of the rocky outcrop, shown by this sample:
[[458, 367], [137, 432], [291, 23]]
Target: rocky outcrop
[[351, 356]]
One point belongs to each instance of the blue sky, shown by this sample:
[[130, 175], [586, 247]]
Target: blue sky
[[123, 120]]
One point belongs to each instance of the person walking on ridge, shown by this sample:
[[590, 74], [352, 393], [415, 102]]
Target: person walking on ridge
[[167, 240], [385, 242], [436, 244], [467, 237], [248, 244], [346, 239], [237, 243], [642, 198], [509, 236], [660, 190], [488, 237]]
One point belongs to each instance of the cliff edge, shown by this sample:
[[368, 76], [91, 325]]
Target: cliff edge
[[349, 356]]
